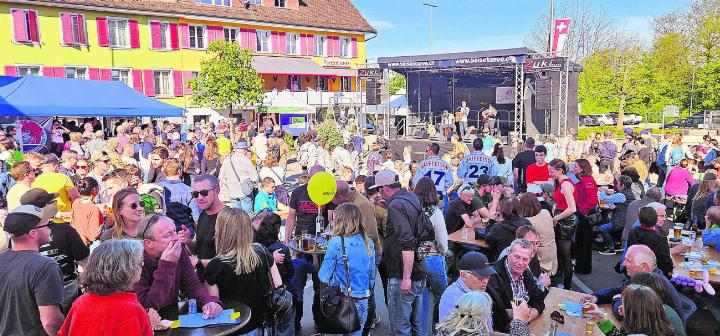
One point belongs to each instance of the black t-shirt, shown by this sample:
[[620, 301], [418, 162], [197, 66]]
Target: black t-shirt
[[205, 236], [65, 247], [249, 289], [453, 219], [306, 210], [521, 162]]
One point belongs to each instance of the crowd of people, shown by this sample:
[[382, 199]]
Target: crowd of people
[[110, 228]]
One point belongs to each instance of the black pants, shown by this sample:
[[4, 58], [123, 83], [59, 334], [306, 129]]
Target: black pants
[[564, 263], [583, 243], [661, 175]]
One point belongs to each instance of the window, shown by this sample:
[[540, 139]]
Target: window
[[231, 35], [121, 75], [197, 37], [28, 70], [345, 84], [292, 43], [75, 72], [163, 83], [280, 3], [293, 83], [25, 25], [263, 40], [345, 47], [215, 2], [118, 33], [320, 45], [164, 35], [255, 2], [321, 83]]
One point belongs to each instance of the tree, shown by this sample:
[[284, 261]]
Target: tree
[[397, 82], [227, 78], [329, 132]]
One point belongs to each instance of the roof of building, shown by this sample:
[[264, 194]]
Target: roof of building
[[324, 14]]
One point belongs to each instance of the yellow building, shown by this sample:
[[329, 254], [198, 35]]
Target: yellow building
[[310, 48]]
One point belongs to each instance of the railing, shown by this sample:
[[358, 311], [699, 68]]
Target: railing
[[316, 98]]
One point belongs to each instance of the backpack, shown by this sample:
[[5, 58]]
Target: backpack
[[152, 198], [661, 155], [676, 156], [6, 182], [423, 232], [606, 150], [180, 213]]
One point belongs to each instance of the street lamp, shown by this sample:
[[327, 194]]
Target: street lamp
[[430, 7]]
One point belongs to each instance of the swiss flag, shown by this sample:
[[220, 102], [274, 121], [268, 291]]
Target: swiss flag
[[562, 26]]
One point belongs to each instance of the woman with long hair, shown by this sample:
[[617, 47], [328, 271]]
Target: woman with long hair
[[642, 312], [658, 283], [210, 163], [501, 234], [349, 239], [587, 202], [437, 279], [473, 315], [699, 204], [189, 162], [242, 271], [541, 220], [126, 212], [503, 165], [563, 217]]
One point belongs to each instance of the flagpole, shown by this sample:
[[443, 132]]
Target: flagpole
[[552, 25]]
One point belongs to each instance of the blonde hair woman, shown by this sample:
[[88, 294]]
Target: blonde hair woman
[[242, 270], [473, 316], [126, 213], [349, 239]]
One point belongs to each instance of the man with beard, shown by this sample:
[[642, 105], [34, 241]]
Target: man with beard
[[206, 191]]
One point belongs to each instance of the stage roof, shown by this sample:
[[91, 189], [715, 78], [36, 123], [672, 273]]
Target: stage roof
[[459, 55]]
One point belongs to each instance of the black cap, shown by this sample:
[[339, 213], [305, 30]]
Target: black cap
[[369, 183], [477, 263], [495, 180], [483, 180], [37, 197]]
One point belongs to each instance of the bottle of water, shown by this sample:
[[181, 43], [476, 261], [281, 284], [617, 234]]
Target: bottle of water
[[192, 306]]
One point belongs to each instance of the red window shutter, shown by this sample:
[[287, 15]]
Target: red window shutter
[[283, 45], [137, 80], [33, 24], [149, 80], [94, 73], [155, 38], [66, 27], [177, 83], [275, 43], [105, 74], [19, 32], [185, 35], [174, 38], [59, 72], [252, 39], [187, 76], [353, 47], [102, 31], [134, 34], [81, 29], [11, 70]]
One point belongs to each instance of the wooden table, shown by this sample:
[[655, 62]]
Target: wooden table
[[679, 271], [456, 237], [172, 313], [573, 325]]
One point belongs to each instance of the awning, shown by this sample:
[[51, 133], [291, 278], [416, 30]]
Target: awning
[[278, 65]]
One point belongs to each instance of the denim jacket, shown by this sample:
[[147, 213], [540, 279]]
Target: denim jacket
[[361, 264], [712, 237]]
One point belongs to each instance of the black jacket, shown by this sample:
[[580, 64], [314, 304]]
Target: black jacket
[[501, 234], [500, 290], [657, 243], [403, 214]]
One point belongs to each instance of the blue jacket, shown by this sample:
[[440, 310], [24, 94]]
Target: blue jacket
[[711, 237], [360, 262]]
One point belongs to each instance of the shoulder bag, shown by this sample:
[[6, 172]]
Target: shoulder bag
[[334, 312], [278, 300], [246, 186]]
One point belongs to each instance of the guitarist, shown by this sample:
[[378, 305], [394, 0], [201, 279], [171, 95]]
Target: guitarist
[[488, 117]]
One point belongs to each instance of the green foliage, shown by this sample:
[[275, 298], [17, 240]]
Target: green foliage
[[329, 131], [397, 82], [227, 78], [289, 140], [583, 132]]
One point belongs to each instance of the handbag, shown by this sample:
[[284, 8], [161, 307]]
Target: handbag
[[565, 228], [594, 217], [278, 301], [246, 186], [334, 312]]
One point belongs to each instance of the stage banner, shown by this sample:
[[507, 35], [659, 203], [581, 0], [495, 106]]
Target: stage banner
[[562, 26], [504, 95]]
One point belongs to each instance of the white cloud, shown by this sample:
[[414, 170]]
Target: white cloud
[[380, 24]]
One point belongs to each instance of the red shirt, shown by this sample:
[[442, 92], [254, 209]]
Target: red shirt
[[534, 173], [560, 201], [116, 314]]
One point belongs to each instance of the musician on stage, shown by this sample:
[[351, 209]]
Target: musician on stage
[[488, 118], [461, 119]]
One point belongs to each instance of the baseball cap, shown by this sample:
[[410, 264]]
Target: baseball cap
[[385, 177], [547, 187], [369, 182], [98, 155], [535, 189], [241, 145], [26, 217], [37, 197], [495, 180], [50, 158], [483, 180], [477, 263]]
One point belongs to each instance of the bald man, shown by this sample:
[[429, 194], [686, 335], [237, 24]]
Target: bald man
[[302, 210]]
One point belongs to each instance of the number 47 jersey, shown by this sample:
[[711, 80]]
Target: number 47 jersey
[[438, 170], [475, 164]]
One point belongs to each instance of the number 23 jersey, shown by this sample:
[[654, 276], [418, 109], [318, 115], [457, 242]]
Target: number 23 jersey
[[438, 170], [475, 164]]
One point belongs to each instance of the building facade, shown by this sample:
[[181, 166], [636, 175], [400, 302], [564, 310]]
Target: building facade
[[308, 47]]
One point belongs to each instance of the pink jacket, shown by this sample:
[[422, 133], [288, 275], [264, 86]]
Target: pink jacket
[[678, 182]]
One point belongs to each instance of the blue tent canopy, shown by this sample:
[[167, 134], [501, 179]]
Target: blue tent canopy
[[34, 96]]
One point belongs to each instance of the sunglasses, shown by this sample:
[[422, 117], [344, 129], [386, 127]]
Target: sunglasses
[[204, 193], [134, 205], [81, 166], [48, 225]]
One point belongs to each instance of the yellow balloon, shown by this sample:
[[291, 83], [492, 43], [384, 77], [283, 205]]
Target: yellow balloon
[[321, 188]]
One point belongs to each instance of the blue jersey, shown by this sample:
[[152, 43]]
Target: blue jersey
[[475, 164], [438, 170]]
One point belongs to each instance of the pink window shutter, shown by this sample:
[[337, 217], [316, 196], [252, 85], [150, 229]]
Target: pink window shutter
[[177, 83], [33, 23], [94, 73], [187, 76], [310, 44], [134, 34], [66, 25], [330, 45], [353, 47], [81, 29], [155, 36], [214, 33], [19, 32], [105, 74], [149, 80], [11, 70], [185, 35], [59, 72], [337, 52], [102, 31], [283, 43], [275, 44], [137, 80], [174, 38], [48, 72], [252, 34], [303, 49]]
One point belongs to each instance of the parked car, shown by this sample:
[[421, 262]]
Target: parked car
[[632, 119], [693, 121], [588, 120], [607, 119]]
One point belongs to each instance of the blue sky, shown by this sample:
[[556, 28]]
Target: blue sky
[[469, 25]]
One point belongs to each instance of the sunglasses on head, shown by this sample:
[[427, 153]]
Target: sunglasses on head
[[204, 193]]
